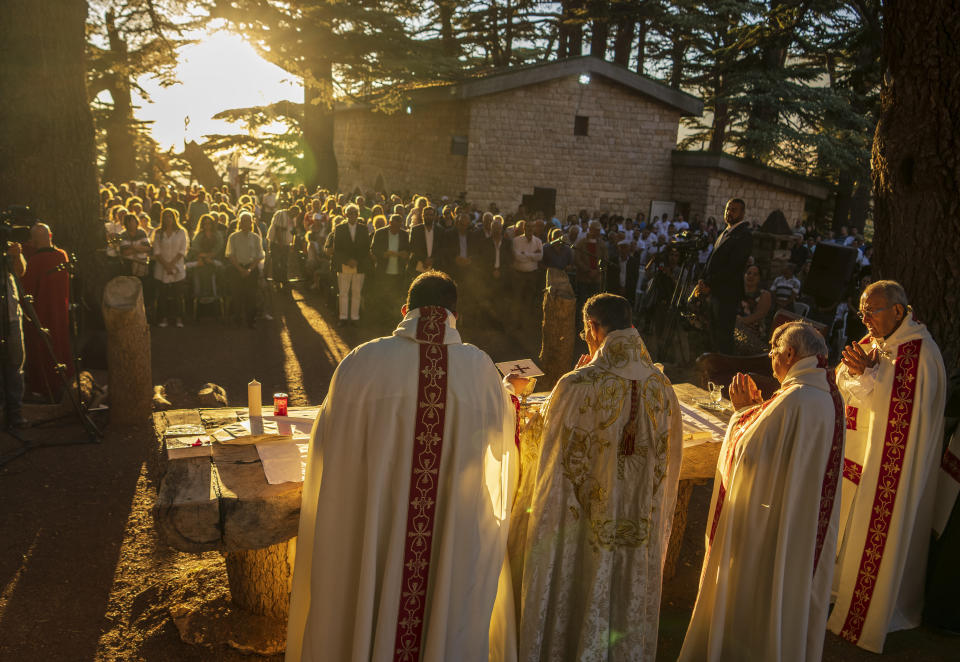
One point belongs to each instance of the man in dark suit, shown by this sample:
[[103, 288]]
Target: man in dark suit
[[391, 250], [723, 275], [626, 272], [351, 261], [493, 269], [425, 243], [460, 254]]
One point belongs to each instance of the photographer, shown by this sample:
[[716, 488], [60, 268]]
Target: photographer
[[12, 376]]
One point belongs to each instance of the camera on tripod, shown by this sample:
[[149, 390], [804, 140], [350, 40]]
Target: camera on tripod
[[15, 223], [689, 241]]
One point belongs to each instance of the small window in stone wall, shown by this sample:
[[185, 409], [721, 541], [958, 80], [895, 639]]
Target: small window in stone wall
[[458, 145], [581, 125]]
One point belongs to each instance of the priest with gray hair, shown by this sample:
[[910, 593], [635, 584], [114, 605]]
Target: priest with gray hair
[[772, 523], [894, 384]]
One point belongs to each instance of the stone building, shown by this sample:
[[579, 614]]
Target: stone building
[[586, 132], [564, 136], [703, 182]]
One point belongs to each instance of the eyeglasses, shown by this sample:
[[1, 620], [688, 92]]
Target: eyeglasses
[[871, 313]]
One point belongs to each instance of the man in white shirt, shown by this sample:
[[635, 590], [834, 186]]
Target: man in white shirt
[[527, 253], [245, 253]]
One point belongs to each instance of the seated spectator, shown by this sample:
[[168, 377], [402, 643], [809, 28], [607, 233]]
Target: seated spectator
[[750, 332], [786, 288]]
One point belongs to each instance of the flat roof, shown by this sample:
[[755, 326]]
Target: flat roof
[[511, 79], [776, 177]]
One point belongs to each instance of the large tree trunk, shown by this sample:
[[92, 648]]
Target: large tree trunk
[[121, 162], [571, 30], [916, 163], [623, 41], [320, 160], [47, 153]]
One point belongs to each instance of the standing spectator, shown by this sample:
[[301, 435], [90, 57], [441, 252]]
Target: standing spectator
[[47, 281], [351, 251], [390, 249], [170, 246], [197, 208], [205, 252], [496, 253], [135, 249], [460, 253], [280, 236], [527, 253], [723, 275], [245, 253], [424, 241], [589, 254]]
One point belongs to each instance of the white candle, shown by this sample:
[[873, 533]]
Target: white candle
[[254, 400]]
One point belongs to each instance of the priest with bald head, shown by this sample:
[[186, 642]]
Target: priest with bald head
[[772, 523], [894, 384]]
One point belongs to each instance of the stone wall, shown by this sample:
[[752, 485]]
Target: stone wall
[[410, 152], [524, 137], [707, 190]]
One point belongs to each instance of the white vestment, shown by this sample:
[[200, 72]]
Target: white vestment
[[894, 440], [594, 511], [397, 554], [772, 527]]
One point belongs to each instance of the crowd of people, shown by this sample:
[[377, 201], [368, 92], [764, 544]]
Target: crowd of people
[[193, 246]]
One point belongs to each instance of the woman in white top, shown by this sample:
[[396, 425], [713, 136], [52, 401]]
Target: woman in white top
[[170, 245]]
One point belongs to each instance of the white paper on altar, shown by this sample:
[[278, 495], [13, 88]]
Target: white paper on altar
[[700, 427], [284, 462], [523, 368]]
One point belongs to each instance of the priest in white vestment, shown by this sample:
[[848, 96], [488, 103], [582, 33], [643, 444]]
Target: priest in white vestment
[[594, 511], [894, 385], [772, 524], [411, 474]]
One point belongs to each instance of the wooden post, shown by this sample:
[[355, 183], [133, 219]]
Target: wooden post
[[128, 352], [260, 579], [559, 326]]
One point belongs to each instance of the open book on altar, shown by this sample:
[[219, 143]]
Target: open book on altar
[[700, 426]]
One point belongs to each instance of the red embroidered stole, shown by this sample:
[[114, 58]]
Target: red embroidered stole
[[852, 471], [831, 475], [890, 467], [424, 482]]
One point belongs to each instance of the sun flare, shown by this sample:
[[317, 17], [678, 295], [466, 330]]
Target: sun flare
[[219, 72]]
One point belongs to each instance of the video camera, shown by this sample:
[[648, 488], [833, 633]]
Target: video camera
[[15, 223], [690, 241]]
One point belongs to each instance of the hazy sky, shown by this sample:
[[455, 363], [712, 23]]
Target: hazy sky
[[220, 72]]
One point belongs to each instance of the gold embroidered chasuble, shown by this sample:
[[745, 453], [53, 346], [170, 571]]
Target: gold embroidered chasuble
[[592, 519]]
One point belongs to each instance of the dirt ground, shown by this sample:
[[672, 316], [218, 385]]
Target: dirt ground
[[83, 575]]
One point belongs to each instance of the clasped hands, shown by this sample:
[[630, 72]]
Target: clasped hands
[[857, 360], [744, 392]]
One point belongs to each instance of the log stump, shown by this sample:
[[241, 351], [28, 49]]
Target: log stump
[[128, 351], [260, 579], [559, 328]]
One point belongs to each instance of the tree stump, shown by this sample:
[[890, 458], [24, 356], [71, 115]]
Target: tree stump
[[559, 327], [260, 579], [128, 351]]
